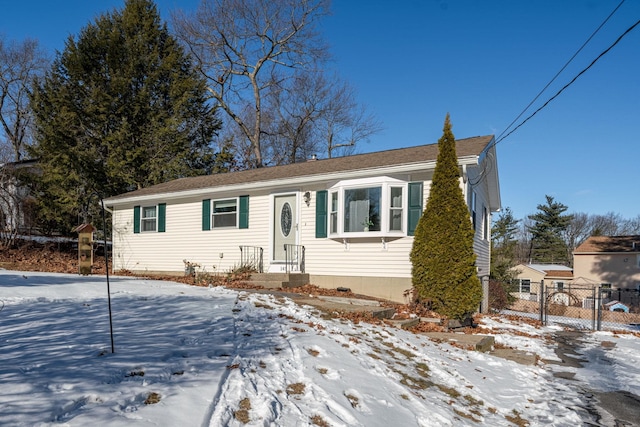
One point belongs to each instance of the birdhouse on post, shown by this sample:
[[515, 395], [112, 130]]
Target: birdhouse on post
[[85, 248]]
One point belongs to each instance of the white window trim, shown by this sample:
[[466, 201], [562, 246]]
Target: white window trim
[[213, 213], [385, 206], [143, 218]]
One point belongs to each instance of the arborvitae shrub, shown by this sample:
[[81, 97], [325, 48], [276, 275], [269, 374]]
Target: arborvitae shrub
[[442, 257]]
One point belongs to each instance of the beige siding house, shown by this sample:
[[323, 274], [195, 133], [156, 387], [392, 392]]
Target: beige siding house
[[612, 261], [530, 277], [345, 221]]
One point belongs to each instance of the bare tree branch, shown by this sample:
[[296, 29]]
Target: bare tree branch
[[20, 64], [241, 45]]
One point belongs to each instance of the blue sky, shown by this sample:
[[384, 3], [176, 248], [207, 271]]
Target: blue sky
[[412, 61]]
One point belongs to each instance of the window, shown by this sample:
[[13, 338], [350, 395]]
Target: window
[[362, 209], [224, 213], [334, 213], [396, 212], [485, 223], [525, 285], [472, 208], [149, 218], [368, 205], [559, 286]]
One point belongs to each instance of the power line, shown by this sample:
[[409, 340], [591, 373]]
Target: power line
[[501, 138], [571, 82], [561, 70]]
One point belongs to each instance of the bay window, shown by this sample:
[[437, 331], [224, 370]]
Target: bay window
[[368, 207], [333, 221], [362, 209], [396, 212]]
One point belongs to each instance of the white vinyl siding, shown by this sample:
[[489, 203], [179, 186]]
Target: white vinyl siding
[[184, 240], [482, 228]]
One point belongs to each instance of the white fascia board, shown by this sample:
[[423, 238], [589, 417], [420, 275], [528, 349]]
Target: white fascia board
[[290, 182]]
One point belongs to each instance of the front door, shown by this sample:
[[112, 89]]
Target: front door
[[285, 225]]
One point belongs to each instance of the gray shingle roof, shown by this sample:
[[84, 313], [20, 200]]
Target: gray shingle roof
[[423, 153]]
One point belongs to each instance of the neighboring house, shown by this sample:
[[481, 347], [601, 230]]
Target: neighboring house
[[613, 262], [529, 277], [16, 209], [346, 222]]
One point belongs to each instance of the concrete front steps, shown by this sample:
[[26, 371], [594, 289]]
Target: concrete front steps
[[278, 280]]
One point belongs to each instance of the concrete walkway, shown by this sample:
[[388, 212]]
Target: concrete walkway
[[617, 408]]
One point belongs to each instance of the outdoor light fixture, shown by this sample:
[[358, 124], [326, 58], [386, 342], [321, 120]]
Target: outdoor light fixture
[[307, 198]]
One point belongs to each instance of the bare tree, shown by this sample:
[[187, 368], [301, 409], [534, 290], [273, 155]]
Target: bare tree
[[315, 114], [298, 108], [247, 49], [631, 226], [578, 230], [524, 246], [20, 64], [345, 122], [609, 224]]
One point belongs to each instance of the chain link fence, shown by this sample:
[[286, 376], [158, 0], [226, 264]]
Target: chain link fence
[[582, 307]]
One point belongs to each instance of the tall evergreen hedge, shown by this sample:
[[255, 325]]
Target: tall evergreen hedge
[[442, 257]]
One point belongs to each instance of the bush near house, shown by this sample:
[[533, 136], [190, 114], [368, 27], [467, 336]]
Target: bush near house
[[442, 257]]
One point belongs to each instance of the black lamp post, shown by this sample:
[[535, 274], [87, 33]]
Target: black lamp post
[[106, 262]]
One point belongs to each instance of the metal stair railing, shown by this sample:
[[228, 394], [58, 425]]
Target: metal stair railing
[[252, 256], [294, 258]]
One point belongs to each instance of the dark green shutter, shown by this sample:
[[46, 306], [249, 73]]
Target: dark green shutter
[[243, 220], [321, 214], [162, 217], [136, 219], [415, 207], [206, 215]]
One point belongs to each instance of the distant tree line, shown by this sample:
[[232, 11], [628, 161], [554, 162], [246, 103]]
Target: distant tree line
[[549, 236], [128, 103]]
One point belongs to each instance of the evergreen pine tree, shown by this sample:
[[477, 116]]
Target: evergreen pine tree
[[503, 247], [442, 257], [549, 223], [121, 108]]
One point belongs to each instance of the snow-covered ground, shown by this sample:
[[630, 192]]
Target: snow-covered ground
[[218, 357]]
